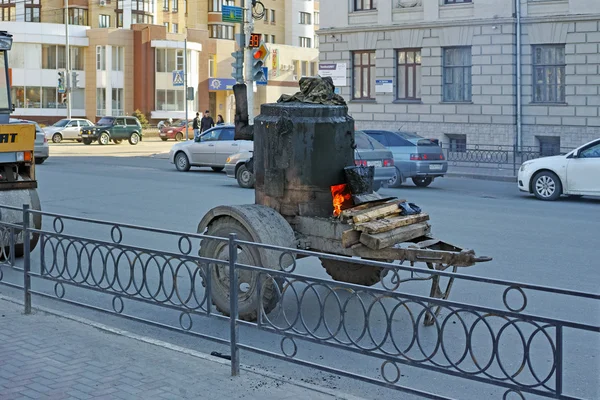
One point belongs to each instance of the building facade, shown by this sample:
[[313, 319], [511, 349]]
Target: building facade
[[447, 69], [127, 55]]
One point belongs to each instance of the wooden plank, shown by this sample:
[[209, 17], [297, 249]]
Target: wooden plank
[[378, 241], [377, 212], [350, 238], [387, 224], [351, 212]]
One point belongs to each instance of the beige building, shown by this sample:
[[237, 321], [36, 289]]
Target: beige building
[[128, 54], [448, 69]]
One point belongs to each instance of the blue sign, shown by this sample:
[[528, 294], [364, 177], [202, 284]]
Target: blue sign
[[384, 85], [178, 78], [265, 78], [232, 14], [221, 83]]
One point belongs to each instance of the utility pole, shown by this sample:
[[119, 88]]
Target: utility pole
[[185, 80], [68, 64], [249, 27]]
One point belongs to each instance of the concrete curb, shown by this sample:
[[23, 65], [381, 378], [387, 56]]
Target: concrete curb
[[331, 392], [498, 178], [162, 156]]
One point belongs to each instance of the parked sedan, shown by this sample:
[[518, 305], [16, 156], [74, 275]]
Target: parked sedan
[[577, 174], [41, 151], [415, 157], [211, 149], [67, 129], [176, 131], [369, 152]]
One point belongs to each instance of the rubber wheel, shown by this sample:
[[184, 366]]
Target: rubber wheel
[[164, 139], [134, 139], [179, 137], [422, 182], [342, 271], [87, 141], [396, 181], [39, 161], [57, 138], [547, 186], [248, 304], [182, 163], [117, 141], [104, 138], [244, 177], [217, 169], [37, 224]]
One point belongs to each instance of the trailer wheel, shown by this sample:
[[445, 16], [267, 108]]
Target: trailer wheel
[[349, 272]]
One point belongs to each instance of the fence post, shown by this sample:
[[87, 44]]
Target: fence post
[[559, 359], [233, 306], [27, 259]]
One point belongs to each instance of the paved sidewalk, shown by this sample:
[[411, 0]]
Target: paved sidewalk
[[44, 356]]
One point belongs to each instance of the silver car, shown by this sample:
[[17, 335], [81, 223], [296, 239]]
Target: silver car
[[67, 129], [41, 150], [415, 157], [368, 153]]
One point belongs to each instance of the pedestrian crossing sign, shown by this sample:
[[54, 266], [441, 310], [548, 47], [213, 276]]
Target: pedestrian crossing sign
[[178, 78], [264, 79]]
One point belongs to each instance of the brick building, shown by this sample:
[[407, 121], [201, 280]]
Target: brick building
[[447, 69]]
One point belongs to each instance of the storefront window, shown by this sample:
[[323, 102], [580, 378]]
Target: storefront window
[[17, 94], [49, 97], [32, 97]]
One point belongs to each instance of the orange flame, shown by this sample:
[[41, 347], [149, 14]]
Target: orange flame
[[341, 197]]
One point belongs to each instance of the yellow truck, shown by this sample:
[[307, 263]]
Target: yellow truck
[[18, 185]]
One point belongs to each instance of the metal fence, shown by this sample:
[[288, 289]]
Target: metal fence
[[489, 157], [380, 331]]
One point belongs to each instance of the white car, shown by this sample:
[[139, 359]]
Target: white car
[[67, 129], [576, 174], [210, 149]]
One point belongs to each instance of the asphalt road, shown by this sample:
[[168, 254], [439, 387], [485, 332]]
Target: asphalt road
[[553, 244]]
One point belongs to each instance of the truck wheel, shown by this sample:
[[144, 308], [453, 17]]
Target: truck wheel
[[104, 138], [422, 182], [35, 222], [87, 141], [244, 177], [57, 138], [134, 139], [353, 273], [179, 137], [248, 304]]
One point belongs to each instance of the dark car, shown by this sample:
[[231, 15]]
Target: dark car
[[415, 157], [116, 129]]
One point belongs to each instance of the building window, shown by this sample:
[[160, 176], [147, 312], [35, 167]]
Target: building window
[[211, 66], [170, 100], [117, 102], [175, 5], [166, 24], [217, 5], [316, 18], [305, 18], [363, 75], [100, 102], [457, 74], [168, 60], [361, 5], [273, 17], [78, 16], [549, 145], [457, 143], [175, 27], [165, 5], [272, 38], [77, 58], [409, 74], [32, 10], [142, 12], [9, 10], [313, 69], [457, 1], [304, 68], [221, 31], [104, 21], [49, 97], [549, 74], [100, 58], [304, 42], [118, 53], [53, 57], [180, 62], [316, 41]]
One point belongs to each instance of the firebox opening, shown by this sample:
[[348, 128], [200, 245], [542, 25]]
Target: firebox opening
[[342, 198]]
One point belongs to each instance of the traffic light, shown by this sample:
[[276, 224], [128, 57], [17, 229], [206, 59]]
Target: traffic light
[[74, 79], [259, 55], [61, 82], [238, 66]]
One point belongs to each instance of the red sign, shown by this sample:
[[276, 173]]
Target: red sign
[[255, 40]]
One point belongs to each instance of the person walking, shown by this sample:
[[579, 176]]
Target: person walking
[[206, 122], [196, 125], [220, 120]]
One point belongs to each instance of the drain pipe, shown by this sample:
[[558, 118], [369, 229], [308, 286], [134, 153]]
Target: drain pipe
[[519, 142]]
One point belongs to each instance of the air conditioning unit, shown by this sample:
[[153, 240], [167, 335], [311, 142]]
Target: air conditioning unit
[[102, 3]]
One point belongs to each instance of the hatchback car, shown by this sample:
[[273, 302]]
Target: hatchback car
[[116, 129], [67, 129], [176, 131], [210, 149], [576, 173], [368, 152], [41, 151], [415, 157]]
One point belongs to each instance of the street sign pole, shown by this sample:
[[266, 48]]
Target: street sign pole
[[185, 80], [68, 66], [249, 27]]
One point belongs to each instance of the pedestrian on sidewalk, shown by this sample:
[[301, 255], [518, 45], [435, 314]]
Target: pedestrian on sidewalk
[[220, 120], [196, 125], [206, 122]]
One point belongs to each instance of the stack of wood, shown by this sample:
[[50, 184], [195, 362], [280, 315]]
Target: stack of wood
[[380, 225]]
